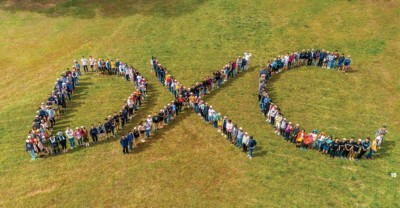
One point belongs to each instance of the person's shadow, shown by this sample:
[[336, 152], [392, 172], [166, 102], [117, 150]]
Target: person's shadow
[[259, 152]]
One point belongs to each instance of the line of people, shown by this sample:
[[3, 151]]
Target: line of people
[[352, 149], [318, 58], [41, 141], [191, 98], [209, 83]]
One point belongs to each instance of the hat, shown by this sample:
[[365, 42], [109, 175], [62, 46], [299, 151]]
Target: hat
[[76, 128], [27, 141], [359, 140], [240, 128], [245, 132], [82, 127], [148, 116], [344, 139], [297, 125], [29, 137], [134, 128]]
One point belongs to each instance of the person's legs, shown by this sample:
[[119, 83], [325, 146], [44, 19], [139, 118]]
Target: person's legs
[[287, 136], [80, 143], [147, 133], [239, 142], [32, 153], [251, 152], [229, 136], [71, 143], [339, 154], [362, 152], [369, 155]]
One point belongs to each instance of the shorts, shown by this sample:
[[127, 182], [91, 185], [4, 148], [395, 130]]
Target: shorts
[[141, 132]]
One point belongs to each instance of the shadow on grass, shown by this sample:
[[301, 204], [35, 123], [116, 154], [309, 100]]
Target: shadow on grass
[[89, 9], [387, 147]]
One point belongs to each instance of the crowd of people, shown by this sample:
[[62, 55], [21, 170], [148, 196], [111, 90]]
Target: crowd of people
[[191, 98], [319, 58], [42, 140], [352, 149]]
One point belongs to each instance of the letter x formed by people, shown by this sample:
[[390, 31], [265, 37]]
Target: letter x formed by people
[[229, 71]]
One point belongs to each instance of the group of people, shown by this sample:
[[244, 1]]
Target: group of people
[[191, 98], [208, 84], [352, 149], [108, 66], [42, 140], [320, 58]]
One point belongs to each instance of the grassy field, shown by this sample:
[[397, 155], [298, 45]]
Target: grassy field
[[188, 164]]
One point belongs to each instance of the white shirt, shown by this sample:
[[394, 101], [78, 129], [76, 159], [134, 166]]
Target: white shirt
[[84, 61], [69, 133], [211, 112], [378, 140], [229, 126], [246, 140], [91, 60], [149, 121], [247, 56]]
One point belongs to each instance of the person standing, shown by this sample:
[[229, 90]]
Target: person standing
[[348, 148], [155, 122], [334, 148], [54, 145], [346, 64], [29, 148], [246, 61], [365, 146], [342, 144], [288, 131], [136, 136], [85, 136], [63, 141], [234, 133], [239, 138], [93, 133], [373, 149], [70, 136], [92, 62], [229, 128], [84, 64], [147, 127], [130, 139], [245, 142], [124, 143], [252, 145], [355, 150], [78, 136]]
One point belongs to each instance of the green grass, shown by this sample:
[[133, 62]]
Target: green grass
[[188, 164]]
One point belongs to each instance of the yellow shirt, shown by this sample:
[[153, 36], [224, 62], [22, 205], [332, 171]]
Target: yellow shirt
[[113, 64]]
